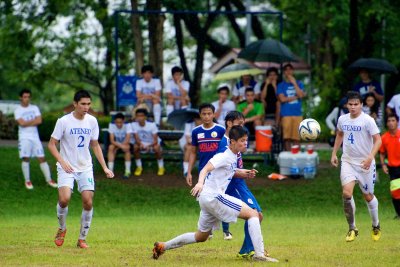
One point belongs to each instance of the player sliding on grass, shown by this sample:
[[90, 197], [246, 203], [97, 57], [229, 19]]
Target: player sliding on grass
[[361, 142], [76, 132], [215, 205]]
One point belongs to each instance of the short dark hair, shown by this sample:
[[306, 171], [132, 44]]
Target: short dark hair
[[288, 65], [146, 68], [119, 115], [24, 91], [354, 95], [271, 69], [233, 115], [206, 105], [237, 132], [248, 89], [392, 116], [141, 110], [176, 69], [81, 94]]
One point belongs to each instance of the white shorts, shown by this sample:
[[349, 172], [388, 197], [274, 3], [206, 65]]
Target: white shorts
[[85, 180], [365, 178], [29, 148], [215, 209], [182, 143]]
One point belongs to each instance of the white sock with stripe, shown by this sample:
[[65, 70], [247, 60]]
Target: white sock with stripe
[[256, 235], [373, 211], [25, 171], [62, 216], [46, 171], [86, 220], [179, 241]]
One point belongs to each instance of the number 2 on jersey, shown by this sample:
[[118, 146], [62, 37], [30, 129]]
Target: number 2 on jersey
[[351, 138], [81, 138]]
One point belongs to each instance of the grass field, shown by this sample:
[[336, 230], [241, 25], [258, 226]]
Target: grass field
[[304, 224]]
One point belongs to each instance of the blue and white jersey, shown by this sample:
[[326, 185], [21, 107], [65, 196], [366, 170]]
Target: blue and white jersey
[[357, 137], [119, 133], [225, 165], [207, 142], [223, 146]]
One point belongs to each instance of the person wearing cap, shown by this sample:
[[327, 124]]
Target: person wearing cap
[[223, 105]]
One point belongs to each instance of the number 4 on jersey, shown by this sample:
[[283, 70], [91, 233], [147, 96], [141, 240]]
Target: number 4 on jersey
[[351, 138]]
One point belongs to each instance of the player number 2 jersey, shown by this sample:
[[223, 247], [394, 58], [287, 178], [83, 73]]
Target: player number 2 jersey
[[75, 136], [357, 137]]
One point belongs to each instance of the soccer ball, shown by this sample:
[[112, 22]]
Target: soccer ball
[[309, 129]]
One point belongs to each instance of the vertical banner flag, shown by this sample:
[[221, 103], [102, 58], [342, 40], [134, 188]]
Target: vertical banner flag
[[126, 90]]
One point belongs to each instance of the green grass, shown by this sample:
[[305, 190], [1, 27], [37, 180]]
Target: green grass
[[304, 224]]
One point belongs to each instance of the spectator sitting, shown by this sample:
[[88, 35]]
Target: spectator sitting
[[332, 118], [148, 91], [367, 85], [290, 92], [246, 81], [371, 107], [223, 105], [177, 91], [269, 98], [146, 140], [253, 111], [119, 139], [185, 142]]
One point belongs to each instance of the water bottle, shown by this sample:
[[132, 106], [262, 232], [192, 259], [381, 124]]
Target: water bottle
[[294, 168], [309, 168]]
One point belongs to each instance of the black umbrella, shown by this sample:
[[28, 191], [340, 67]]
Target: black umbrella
[[373, 64], [267, 50], [179, 117]]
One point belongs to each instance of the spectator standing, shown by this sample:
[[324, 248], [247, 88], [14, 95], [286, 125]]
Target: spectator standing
[[119, 134], [272, 106], [223, 105], [368, 85], [246, 81], [146, 140], [148, 91], [252, 110], [372, 107], [290, 92], [390, 149], [177, 91], [28, 117]]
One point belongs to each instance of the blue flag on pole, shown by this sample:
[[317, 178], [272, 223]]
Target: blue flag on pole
[[126, 90]]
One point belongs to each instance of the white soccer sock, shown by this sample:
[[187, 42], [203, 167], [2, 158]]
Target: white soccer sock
[[256, 235], [128, 166], [373, 211], [62, 216], [185, 166], [179, 241], [170, 108], [86, 220], [138, 162], [25, 171], [160, 163], [46, 171], [111, 165], [157, 113], [349, 207]]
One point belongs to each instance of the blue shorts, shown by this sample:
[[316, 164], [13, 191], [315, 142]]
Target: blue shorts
[[241, 191]]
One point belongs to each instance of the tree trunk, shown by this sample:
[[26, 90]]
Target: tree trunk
[[156, 37], [354, 34], [180, 45], [137, 38]]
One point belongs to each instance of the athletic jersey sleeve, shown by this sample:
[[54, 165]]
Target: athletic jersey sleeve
[[138, 86], [218, 160], [392, 102], [339, 124], [168, 86], [36, 111], [134, 127], [188, 129], [17, 114], [95, 131], [259, 109], [58, 130], [111, 128], [194, 139], [235, 91], [186, 85], [231, 106], [372, 127], [128, 128], [154, 129], [257, 88], [157, 84]]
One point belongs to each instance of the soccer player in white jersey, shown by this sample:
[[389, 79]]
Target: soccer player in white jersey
[[146, 140], [148, 90], [361, 141], [215, 205], [120, 134], [177, 90], [28, 118], [76, 132]]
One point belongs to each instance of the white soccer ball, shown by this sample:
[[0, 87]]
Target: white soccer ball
[[309, 129]]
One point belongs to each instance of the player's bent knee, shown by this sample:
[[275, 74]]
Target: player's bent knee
[[201, 236]]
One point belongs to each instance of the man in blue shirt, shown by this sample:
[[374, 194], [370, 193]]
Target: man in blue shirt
[[205, 139], [367, 85], [290, 92]]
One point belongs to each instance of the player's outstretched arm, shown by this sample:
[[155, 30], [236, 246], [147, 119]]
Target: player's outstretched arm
[[202, 176], [99, 155], [245, 174], [54, 151], [338, 143]]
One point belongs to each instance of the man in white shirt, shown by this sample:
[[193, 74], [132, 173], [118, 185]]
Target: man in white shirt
[[76, 132], [28, 117], [246, 81], [394, 105], [216, 206], [146, 140], [361, 141], [148, 90], [119, 133], [223, 105], [177, 91]]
